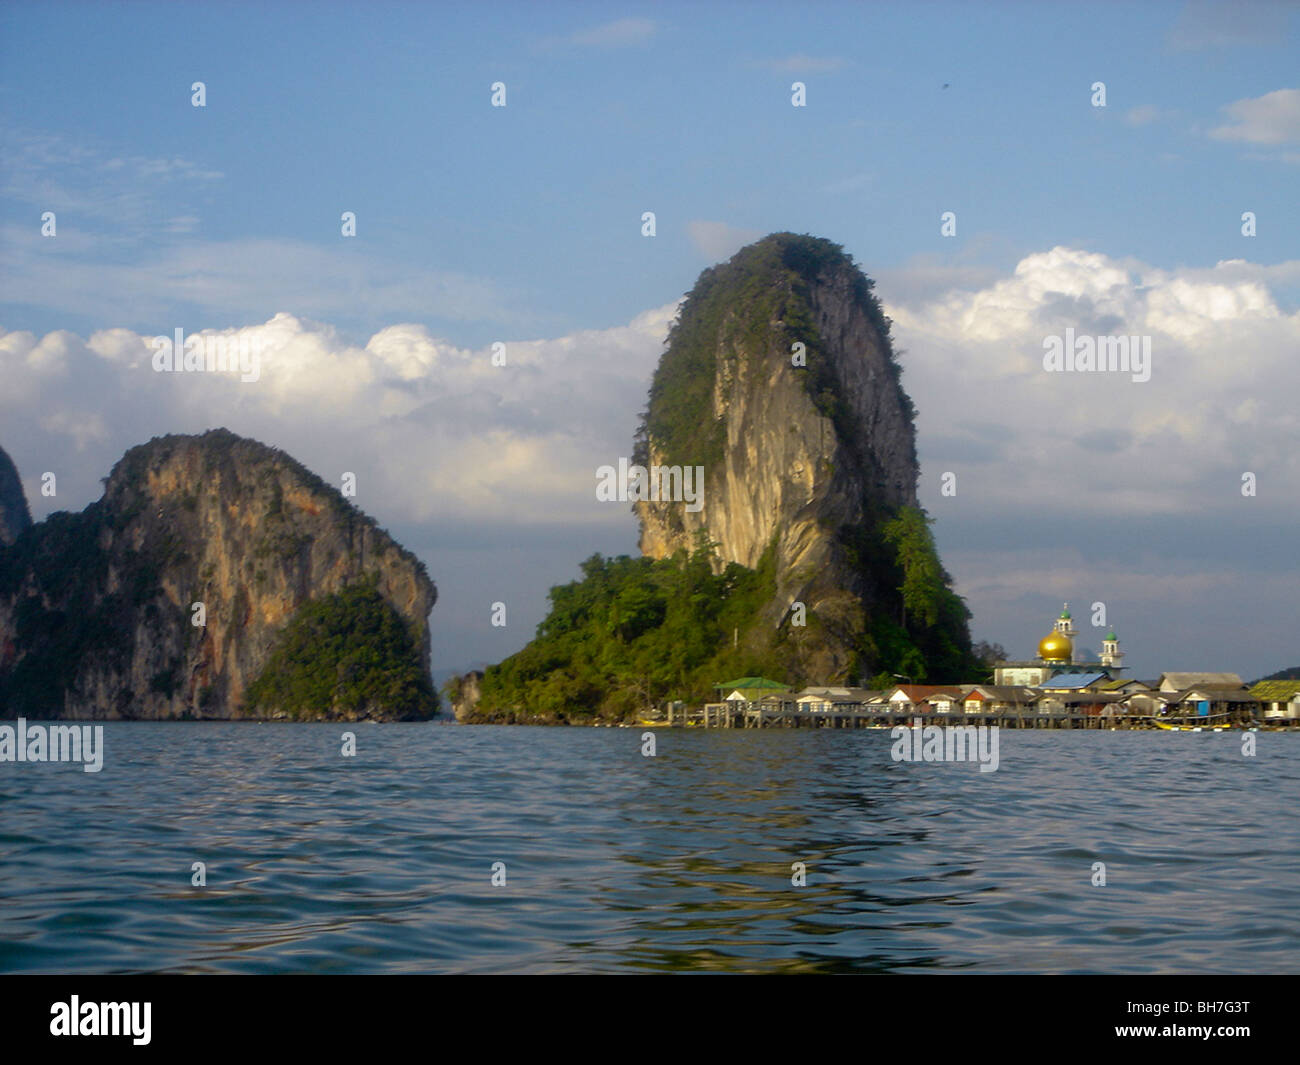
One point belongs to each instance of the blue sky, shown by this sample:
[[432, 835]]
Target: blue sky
[[523, 224], [686, 112]]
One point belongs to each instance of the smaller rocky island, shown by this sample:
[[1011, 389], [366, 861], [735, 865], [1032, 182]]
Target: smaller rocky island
[[217, 578]]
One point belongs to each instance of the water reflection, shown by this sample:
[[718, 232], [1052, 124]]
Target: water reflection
[[616, 862]]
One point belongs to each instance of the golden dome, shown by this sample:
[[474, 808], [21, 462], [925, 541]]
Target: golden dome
[[1055, 647]]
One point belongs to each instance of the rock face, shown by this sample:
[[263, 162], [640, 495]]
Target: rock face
[[96, 608], [464, 693], [805, 460], [14, 515]]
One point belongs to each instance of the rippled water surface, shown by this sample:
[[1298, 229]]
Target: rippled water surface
[[619, 862]]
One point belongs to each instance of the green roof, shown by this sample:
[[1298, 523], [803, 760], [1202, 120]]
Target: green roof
[[1275, 691], [752, 683], [1111, 635]]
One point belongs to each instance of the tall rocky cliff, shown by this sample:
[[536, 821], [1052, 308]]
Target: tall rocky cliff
[[14, 515], [780, 380], [308, 608], [806, 558]]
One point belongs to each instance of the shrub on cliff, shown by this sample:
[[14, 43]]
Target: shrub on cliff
[[345, 655], [631, 633]]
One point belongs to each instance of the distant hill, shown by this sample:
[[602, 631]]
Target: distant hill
[[1283, 674]]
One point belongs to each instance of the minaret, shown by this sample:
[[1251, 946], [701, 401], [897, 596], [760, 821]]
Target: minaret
[[1111, 656], [1065, 626]]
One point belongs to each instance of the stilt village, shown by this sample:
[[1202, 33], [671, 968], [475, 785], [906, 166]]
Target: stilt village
[[1052, 691]]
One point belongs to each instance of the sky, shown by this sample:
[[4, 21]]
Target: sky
[[522, 225]]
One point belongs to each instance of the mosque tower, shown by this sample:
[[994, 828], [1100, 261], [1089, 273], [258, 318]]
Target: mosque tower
[[1057, 647], [1111, 656]]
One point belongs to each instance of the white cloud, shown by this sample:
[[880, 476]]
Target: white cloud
[[1142, 115], [800, 63], [616, 34], [718, 240], [853, 183], [1218, 401], [438, 429], [1273, 118], [57, 174]]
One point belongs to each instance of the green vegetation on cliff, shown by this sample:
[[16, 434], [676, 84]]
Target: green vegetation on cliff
[[733, 308], [345, 655], [634, 632], [923, 644]]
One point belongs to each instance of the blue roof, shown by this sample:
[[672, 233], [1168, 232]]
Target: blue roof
[[1074, 680]]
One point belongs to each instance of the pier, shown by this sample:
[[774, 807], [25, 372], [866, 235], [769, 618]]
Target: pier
[[766, 714]]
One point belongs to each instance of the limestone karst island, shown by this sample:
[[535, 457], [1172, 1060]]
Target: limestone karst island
[[804, 588], [798, 584], [216, 578]]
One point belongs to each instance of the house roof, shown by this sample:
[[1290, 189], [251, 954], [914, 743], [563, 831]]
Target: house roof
[[1002, 693], [1217, 695], [1073, 680], [1149, 698], [1276, 691], [839, 695], [1203, 692], [944, 695], [1182, 681], [916, 692]]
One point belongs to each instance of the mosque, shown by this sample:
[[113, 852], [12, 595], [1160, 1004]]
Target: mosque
[[1057, 663]]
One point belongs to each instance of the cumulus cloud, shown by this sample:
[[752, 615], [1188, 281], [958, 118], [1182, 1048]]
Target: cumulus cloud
[[1271, 119], [487, 472], [439, 429], [1092, 486], [1069, 485], [1218, 339]]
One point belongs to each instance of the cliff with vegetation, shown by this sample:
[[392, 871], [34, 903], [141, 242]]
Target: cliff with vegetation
[[810, 560], [305, 608], [14, 515]]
